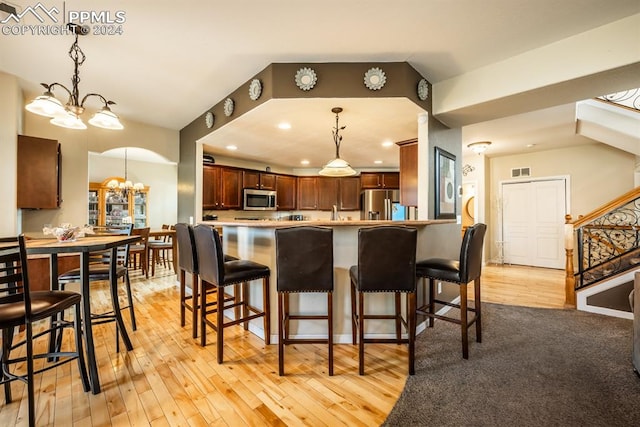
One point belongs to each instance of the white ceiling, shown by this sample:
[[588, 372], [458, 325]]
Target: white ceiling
[[175, 60]]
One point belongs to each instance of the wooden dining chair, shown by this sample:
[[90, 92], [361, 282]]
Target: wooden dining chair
[[139, 251], [21, 307], [159, 250]]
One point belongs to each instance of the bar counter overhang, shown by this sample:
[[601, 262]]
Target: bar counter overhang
[[255, 240]]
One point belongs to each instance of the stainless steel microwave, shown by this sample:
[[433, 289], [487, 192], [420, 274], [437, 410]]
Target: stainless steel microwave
[[259, 200]]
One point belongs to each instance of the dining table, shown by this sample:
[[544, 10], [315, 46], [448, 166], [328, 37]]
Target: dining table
[[85, 246], [171, 233]]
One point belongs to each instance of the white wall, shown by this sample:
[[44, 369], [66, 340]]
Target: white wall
[[598, 174], [76, 145], [10, 122]]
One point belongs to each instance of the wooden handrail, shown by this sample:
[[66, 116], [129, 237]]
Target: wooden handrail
[[614, 204]]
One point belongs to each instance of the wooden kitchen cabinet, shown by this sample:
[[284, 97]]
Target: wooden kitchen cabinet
[[221, 188], [380, 180], [307, 193], [38, 177], [286, 192], [349, 193], [409, 172], [108, 207], [258, 180], [327, 193]]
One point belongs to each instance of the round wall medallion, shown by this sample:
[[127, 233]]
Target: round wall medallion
[[375, 78], [255, 89], [423, 89], [228, 107], [306, 78], [209, 119]]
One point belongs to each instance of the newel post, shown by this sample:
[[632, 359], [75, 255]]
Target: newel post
[[570, 281]]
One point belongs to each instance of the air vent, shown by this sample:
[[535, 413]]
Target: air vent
[[520, 172]]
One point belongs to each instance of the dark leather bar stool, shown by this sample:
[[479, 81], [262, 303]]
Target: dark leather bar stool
[[462, 271], [216, 274], [386, 263], [188, 263], [304, 257]]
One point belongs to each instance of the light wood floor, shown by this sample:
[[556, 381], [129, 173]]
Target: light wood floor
[[169, 380]]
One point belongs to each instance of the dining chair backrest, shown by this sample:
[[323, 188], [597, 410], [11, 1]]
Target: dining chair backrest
[[14, 278], [187, 257], [143, 233], [387, 259], [209, 254], [122, 251]]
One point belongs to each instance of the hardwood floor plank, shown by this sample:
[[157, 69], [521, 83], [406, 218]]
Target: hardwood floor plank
[[170, 380]]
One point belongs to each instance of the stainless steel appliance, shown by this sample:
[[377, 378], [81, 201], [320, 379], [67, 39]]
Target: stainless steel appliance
[[381, 205], [259, 200]]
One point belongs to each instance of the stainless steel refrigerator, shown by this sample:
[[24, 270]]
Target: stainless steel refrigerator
[[381, 204]]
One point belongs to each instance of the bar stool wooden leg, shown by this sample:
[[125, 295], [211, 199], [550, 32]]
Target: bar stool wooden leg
[[220, 322], [282, 316], [267, 311], [361, 333], [463, 321], [398, 318], [411, 330], [478, 305], [432, 304], [354, 315], [330, 332]]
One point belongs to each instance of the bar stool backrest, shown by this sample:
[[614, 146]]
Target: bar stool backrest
[[387, 259], [209, 254], [304, 259], [187, 256], [471, 253]]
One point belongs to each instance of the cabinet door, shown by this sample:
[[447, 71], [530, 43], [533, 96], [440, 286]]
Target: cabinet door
[[38, 173], [327, 193], [349, 194], [307, 193], [139, 207], [230, 189], [210, 178], [267, 181], [370, 180], [390, 180], [286, 192], [250, 179], [94, 205], [409, 175]]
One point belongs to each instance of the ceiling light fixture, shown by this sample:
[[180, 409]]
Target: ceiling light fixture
[[284, 126], [479, 147], [337, 166], [68, 115], [123, 188]]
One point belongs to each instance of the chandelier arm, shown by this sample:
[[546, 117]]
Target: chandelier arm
[[102, 98], [51, 86]]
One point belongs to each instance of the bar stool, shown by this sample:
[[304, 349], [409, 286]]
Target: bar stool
[[216, 274], [386, 263], [462, 271], [304, 257], [188, 263]]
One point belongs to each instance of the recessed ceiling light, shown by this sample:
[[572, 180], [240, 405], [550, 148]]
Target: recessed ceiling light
[[231, 147], [284, 125], [377, 162], [531, 145], [304, 162], [387, 144]]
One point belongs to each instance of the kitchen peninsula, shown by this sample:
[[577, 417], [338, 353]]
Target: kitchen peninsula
[[255, 240]]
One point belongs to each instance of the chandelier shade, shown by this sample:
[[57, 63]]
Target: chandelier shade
[[68, 115], [337, 166]]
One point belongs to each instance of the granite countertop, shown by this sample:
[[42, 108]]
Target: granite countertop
[[325, 223]]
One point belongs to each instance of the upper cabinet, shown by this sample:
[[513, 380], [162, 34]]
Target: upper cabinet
[[409, 172], [221, 187], [286, 192], [380, 180], [258, 180], [38, 173], [321, 193]]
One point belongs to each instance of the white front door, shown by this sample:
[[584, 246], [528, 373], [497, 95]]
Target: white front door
[[533, 222]]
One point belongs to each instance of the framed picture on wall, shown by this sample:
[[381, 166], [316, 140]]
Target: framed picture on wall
[[445, 185]]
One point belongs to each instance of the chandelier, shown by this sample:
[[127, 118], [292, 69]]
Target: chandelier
[[68, 115], [337, 166], [123, 188]]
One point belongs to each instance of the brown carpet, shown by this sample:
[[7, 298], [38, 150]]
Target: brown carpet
[[535, 367]]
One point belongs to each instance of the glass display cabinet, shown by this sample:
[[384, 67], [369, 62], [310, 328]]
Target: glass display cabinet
[[114, 207]]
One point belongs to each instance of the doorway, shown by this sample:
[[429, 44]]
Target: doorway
[[533, 222]]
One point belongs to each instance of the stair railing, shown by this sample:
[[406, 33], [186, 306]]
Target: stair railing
[[607, 242]]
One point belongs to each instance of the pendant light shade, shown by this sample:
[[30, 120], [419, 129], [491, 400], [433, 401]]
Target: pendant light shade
[[337, 166]]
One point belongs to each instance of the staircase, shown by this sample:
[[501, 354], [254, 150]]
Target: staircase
[[608, 253]]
